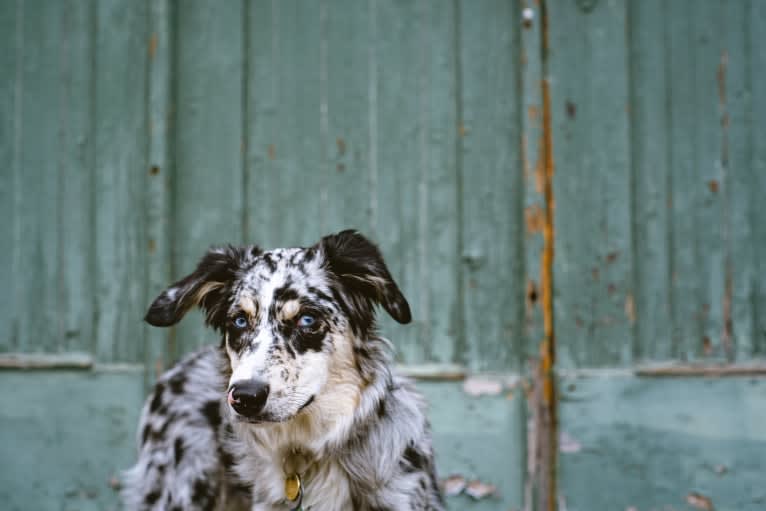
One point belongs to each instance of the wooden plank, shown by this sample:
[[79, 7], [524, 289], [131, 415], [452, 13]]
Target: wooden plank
[[593, 262], [651, 177], [36, 193], [741, 183], [71, 360], [532, 162], [75, 295], [10, 82], [158, 175], [414, 173], [208, 204], [118, 188], [345, 69], [685, 292], [654, 442], [82, 423], [707, 184], [757, 133], [400, 45], [492, 186], [698, 369], [480, 438], [285, 138]]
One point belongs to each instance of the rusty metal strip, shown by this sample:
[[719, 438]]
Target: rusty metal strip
[[546, 399]]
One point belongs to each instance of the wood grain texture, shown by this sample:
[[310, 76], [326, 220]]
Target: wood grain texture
[[756, 124], [492, 186], [479, 438], [532, 156], [416, 182], [85, 444], [158, 174], [36, 193], [286, 133], [119, 166], [589, 86], [649, 443], [208, 191], [75, 178], [651, 177], [10, 49]]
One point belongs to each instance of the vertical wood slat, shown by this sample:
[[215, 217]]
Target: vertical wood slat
[[757, 133], [738, 314], [285, 169], [707, 184], [75, 178], [588, 68], [346, 155], [492, 184], [685, 294], [10, 49], [119, 170], [439, 259], [36, 199], [415, 189], [533, 168], [158, 175], [709, 160], [395, 119], [399, 47], [208, 181], [649, 102]]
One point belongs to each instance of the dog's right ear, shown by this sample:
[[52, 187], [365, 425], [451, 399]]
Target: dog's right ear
[[206, 286]]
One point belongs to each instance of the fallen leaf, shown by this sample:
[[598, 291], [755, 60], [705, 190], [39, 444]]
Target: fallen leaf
[[482, 387], [454, 485], [479, 490], [699, 501]]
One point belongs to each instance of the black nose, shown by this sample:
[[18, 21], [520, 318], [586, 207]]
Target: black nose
[[248, 397]]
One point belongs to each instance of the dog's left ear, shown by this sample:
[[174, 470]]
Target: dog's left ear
[[204, 287], [357, 262]]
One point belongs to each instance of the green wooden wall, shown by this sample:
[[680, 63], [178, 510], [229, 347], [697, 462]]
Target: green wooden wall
[[134, 134]]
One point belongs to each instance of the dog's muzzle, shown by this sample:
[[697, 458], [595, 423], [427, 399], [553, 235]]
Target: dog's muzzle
[[248, 398]]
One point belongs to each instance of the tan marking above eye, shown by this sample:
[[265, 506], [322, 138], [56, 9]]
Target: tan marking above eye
[[248, 306], [290, 309]]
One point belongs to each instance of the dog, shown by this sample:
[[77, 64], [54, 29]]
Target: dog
[[297, 408]]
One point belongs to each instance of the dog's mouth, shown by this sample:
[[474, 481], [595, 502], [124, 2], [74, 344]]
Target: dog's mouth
[[268, 418]]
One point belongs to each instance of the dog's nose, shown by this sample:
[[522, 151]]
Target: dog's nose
[[248, 397]]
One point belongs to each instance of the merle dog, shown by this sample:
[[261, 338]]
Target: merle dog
[[297, 408]]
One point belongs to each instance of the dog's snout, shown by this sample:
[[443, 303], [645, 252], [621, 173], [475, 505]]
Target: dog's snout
[[248, 397]]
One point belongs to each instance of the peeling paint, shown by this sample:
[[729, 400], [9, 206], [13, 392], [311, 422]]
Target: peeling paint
[[630, 308], [534, 217], [533, 113], [152, 45]]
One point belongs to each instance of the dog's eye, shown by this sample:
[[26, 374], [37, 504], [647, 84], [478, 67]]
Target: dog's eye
[[306, 321], [240, 321]]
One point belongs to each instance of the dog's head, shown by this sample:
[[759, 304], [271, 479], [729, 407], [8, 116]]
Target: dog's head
[[290, 319]]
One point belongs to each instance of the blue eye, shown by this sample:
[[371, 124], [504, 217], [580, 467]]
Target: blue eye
[[306, 321], [240, 322]]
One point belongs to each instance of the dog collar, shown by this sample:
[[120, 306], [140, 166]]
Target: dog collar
[[294, 492]]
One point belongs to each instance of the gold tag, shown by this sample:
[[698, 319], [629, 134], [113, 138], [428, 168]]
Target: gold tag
[[292, 487]]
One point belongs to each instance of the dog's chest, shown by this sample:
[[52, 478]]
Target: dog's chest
[[325, 487]]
